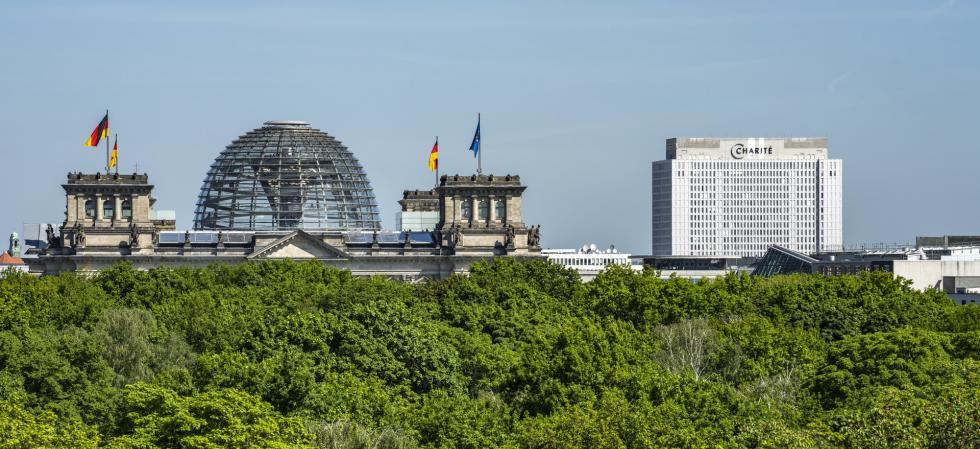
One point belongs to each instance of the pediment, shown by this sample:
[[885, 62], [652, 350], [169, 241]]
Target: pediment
[[299, 245]]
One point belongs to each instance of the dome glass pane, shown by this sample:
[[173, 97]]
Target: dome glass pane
[[285, 176]]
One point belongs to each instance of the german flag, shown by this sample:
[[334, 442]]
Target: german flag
[[101, 132], [115, 153], [434, 157]]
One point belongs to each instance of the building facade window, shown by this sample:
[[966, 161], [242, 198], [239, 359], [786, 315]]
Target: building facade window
[[467, 209], [484, 210], [740, 207], [501, 211], [90, 208], [108, 209], [127, 210]]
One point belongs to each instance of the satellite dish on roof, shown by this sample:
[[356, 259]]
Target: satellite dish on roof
[[592, 247]]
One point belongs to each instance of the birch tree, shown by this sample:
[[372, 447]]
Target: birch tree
[[686, 346]]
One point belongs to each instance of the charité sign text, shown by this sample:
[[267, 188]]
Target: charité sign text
[[740, 150]]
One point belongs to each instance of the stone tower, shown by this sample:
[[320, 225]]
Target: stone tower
[[107, 212], [482, 214]]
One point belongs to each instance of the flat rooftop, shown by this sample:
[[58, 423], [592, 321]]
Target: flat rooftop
[[746, 148]]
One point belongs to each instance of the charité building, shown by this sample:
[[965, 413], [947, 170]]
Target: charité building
[[288, 191]]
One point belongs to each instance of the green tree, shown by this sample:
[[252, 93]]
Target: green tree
[[689, 346], [21, 429], [514, 354], [157, 417], [136, 348], [904, 359], [348, 435]]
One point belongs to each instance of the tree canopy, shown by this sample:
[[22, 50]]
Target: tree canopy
[[512, 355]]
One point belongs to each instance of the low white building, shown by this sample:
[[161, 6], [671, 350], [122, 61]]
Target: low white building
[[692, 267], [929, 274], [588, 260]]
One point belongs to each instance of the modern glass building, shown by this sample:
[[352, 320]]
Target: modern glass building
[[286, 176]]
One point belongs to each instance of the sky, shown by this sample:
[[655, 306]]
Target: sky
[[576, 97]]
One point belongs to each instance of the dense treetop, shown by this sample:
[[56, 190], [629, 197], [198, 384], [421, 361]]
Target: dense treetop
[[298, 355]]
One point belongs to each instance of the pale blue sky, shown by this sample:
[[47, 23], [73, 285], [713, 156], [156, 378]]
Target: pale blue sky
[[576, 97]]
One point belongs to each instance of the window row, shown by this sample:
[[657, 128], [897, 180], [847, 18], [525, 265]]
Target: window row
[[483, 210], [109, 209]]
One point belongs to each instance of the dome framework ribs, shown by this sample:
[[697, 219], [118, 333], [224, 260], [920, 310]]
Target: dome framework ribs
[[283, 176]]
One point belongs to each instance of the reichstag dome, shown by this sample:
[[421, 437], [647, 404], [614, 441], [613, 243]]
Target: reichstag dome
[[286, 176]]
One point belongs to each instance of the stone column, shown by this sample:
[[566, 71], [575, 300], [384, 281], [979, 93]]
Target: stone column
[[492, 212], [117, 212], [514, 209], [72, 209], [455, 214], [132, 207], [474, 204], [488, 222], [141, 209], [98, 207]]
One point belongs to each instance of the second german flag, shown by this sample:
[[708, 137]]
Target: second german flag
[[114, 158], [434, 157]]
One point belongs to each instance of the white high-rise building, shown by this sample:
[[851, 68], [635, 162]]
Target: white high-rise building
[[738, 196]]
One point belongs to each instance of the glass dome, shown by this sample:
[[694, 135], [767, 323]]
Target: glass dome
[[285, 176]]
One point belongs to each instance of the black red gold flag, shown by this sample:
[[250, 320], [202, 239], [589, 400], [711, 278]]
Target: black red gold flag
[[114, 159], [101, 132]]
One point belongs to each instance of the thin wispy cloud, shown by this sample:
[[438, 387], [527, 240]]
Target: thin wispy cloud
[[940, 8], [832, 85]]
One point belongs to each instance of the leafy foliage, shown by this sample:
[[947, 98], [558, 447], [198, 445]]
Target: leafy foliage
[[516, 354], [21, 429]]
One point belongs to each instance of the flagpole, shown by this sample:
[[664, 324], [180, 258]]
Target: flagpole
[[479, 148], [116, 144], [107, 142], [437, 161]]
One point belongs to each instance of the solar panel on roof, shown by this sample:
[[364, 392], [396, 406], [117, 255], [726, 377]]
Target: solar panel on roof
[[390, 237], [422, 238], [235, 237], [359, 238], [168, 238], [204, 237]]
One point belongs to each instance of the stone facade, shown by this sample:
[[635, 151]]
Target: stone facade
[[485, 209], [419, 201], [479, 218], [107, 212]]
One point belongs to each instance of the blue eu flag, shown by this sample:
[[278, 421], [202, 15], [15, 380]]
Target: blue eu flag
[[475, 146]]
